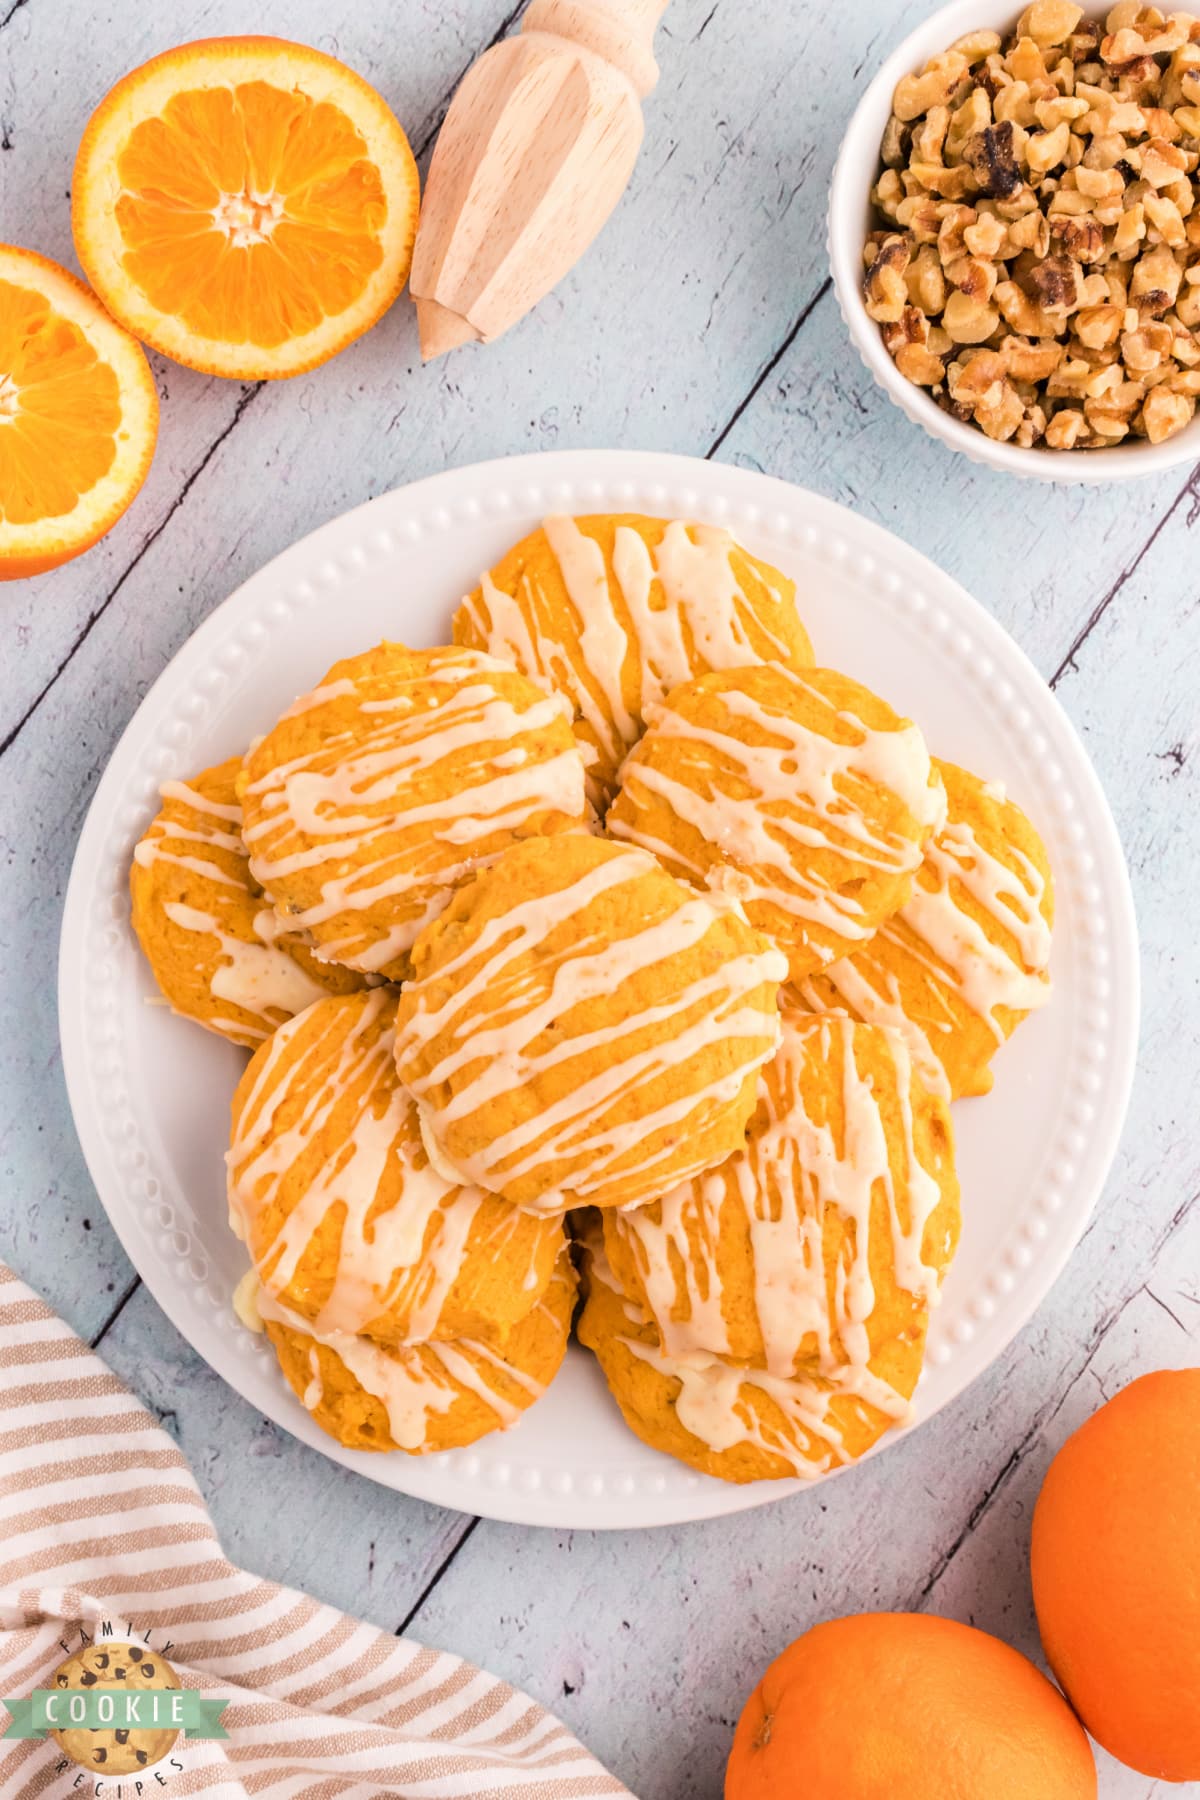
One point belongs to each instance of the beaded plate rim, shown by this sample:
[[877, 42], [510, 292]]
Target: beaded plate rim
[[122, 1144]]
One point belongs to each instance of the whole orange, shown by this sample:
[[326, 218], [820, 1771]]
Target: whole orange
[[898, 1706], [1116, 1573]]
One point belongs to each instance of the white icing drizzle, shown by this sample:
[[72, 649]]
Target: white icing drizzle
[[229, 810], [355, 807], [256, 977], [318, 696], [149, 851], [881, 1006], [698, 580], [960, 960], [798, 803], [314, 1393], [794, 1171], [245, 1301], [985, 975], [414, 1249], [712, 1405], [251, 973], [683, 610], [715, 1399], [415, 1383], [497, 1044], [602, 640], [212, 816]]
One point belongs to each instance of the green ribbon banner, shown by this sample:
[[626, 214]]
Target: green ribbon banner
[[115, 1708]]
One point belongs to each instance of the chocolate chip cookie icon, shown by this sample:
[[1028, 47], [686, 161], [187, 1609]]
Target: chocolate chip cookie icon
[[115, 1750]]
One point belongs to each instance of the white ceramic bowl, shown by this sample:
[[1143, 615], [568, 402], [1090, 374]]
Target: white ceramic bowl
[[849, 222]]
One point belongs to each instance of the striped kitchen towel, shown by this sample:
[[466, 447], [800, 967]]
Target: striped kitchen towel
[[100, 1520]]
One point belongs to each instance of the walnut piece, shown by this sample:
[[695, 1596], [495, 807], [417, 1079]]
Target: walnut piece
[[1037, 262]]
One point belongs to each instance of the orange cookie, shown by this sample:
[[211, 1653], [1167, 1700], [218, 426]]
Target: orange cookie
[[967, 956], [350, 1228], [404, 772], [582, 1029], [825, 1237], [213, 941], [795, 790], [615, 610], [426, 1397], [736, 1423]]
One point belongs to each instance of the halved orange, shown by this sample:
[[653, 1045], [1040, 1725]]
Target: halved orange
[[246, 205], [78, 416]]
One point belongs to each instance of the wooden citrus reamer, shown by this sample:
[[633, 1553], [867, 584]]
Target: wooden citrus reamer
[[536, 150]]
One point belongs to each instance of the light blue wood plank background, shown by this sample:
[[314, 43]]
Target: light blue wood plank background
[[701, 322]]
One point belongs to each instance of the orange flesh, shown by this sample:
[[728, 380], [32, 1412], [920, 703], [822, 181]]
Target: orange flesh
[[250, 213], [60, 410]]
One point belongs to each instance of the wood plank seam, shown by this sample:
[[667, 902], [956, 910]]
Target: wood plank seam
[[435, 1578], [443, 105], [863, 60], [152, 538], [707, 22], [14, 8], [769, 368], [1068, 662], [1170, 1311], [114, 1315]]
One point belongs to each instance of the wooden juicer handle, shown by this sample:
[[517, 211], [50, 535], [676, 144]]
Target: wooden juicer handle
[[535, 152]]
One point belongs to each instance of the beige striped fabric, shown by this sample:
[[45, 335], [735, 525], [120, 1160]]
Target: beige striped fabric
[[100, 1519]]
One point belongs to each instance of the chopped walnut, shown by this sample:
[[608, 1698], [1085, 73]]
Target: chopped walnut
[[967, 320], [1066, 428], [915, 94], [1165, 413], [917, 363], [1030, 362], [885, 288], [1038, 262]]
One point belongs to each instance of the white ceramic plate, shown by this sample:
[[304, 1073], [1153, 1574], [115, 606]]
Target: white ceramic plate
[[150, 1092]]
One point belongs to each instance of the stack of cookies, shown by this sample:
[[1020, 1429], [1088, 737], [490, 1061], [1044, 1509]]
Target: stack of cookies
[[616, 939]]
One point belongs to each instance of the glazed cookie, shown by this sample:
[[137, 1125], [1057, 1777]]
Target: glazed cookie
[[425, 1397], [115, 1751], [216, 948], [350, 1228], [735, 1423], [381, 791], [616, 610], [823, 1239], [795, 790], [966, 958], [581, 1028]]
